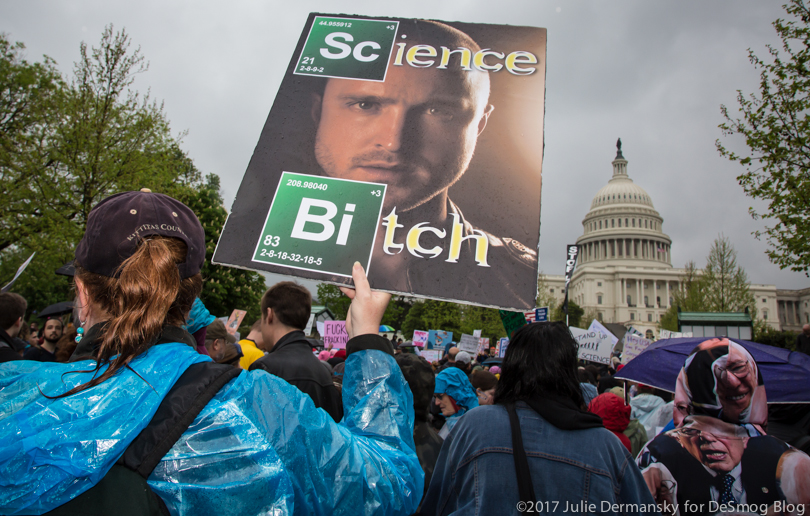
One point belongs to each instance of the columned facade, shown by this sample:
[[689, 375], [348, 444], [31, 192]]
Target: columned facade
[[624, 272]]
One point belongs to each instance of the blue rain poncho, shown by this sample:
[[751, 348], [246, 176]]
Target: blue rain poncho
[[454, 382], [259, 447]]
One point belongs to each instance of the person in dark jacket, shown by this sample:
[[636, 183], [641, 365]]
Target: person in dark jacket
[[12, 310], [285, 311], [420, 378]]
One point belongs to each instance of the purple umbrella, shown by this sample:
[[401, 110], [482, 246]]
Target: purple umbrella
[[786, 374]]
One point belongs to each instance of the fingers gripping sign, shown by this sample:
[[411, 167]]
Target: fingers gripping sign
[[367, 307]]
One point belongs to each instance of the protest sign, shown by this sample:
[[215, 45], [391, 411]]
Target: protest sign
[[483, 345], [320, 327], [235, 320], [20, 270], [512, 321], [502, 345], [594, 345], [325, 187], [335, 335], [420, 338], [431, 355], [666, 334], [469, 344], [310, 322], [633, 346], [537, 315], [477, 333], [438, 339], [599, 327]]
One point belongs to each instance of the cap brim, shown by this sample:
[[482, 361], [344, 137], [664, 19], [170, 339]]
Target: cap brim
[[67, 270]]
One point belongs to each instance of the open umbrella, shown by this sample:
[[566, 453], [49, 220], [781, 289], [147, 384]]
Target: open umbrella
[[386, 329], [65, 307], [786, 374]]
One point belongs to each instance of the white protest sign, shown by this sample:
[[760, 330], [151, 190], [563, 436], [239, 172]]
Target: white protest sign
[[597, 326], [310, 322], [633, 346], [666, 334], [431, 355], [420, 338], [477, 333], [320, 327], [594, 345], [483, 345], [469, 344]]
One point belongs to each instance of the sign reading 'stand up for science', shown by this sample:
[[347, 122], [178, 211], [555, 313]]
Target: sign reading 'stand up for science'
[[412, 146]]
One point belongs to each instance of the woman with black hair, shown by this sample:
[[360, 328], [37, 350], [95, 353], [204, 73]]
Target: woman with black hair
[[535, 445]]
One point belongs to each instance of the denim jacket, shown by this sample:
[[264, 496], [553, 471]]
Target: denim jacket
[[577, 471]]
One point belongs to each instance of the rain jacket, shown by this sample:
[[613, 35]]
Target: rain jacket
[[453, 382], [258, 447], [651, 411], [615, 415]]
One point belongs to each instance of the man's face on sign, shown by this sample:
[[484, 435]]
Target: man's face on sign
[[416, 131], [719, 444], [736, 381]]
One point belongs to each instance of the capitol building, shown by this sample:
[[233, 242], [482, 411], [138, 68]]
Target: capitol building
[[624, 272]]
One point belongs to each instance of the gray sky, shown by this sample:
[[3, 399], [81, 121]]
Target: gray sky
[[652, 73]]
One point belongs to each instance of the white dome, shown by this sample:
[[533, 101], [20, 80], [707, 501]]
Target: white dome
[[621, 190]]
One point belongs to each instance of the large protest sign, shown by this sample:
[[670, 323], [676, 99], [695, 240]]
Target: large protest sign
[[633, 346], [383, 140], [438, 339], [335, 335], [469, 344], [420, 338], [594, 345]]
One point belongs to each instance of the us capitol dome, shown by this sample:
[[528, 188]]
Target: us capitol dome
[[624, 271]]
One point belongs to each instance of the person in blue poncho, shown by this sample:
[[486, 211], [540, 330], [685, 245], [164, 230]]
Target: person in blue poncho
[[454, 395], [150, 426]]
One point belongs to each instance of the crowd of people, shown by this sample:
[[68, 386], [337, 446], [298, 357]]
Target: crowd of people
[[147, 404]]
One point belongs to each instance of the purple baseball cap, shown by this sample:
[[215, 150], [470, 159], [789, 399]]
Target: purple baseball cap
[[117, 225]]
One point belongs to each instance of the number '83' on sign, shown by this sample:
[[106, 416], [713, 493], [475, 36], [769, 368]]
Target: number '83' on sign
[[321, 224]]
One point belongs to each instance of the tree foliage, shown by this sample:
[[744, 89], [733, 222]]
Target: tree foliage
[[224, 288], [721, 286], [775, 124], [69, 141], [544, 295], [575, 314]]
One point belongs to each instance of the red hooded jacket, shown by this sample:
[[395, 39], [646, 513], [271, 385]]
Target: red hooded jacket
[[614, 413]]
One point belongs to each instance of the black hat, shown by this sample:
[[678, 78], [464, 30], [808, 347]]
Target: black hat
[[117, 225]]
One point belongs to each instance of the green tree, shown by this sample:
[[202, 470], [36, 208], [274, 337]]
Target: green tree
[[224, 288], [544, 295], [331, 297], [575, 313], [725, 282], [722, 286], [488, 320], [65, 144], [396, 312], [775, 125]]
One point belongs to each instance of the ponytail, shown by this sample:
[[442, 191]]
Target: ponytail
[[147, 294]]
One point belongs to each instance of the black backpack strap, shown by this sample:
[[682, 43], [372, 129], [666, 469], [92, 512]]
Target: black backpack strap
[[522, 472], [183, 403]]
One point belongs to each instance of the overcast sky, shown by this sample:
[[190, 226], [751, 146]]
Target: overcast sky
[[652, 73]]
